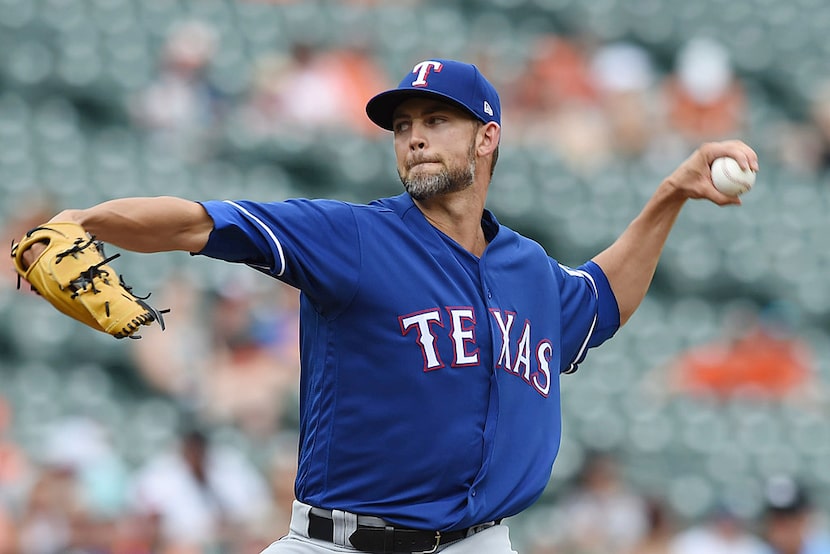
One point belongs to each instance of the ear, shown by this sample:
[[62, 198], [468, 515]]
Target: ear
[[488, 138]]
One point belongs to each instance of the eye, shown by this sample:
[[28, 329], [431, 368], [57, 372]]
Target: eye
[[436, 119], [400, 126]]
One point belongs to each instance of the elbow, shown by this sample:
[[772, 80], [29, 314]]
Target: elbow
[[627, 308], [198, 229]]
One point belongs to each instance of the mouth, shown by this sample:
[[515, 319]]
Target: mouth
[[416, 163]]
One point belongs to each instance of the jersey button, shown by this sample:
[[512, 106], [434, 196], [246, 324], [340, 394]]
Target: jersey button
[[489, 293], [473, 492]]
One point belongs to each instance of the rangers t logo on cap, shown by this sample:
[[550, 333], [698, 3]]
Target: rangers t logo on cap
[[423, 69], [458, 83]]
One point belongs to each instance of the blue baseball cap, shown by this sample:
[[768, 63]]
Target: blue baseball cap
[[456, 82]]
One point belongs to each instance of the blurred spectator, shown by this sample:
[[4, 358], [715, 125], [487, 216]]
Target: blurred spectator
[[205, 495], [231, 356], [820, 116], [46, 521], [704, 98], [603, 514], [791, 525], [89, 534], [136, 534], [181, 107], [278, 313], [282, 472], [625, 77], [298, 94], [660, 531], [15, 476], [555, 102], [557, 76], [175, 361], [803, 146], [723, 532], [8, 533], [16, 469], [83, 447], [254, 362], [78, 495], [359, 77], [292, 94], [760, 356]]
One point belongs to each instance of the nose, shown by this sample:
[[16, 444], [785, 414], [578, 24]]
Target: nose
[[416, 138]]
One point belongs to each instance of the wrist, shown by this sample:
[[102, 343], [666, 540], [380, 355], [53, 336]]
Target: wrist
[[69, 216], [669, 190]]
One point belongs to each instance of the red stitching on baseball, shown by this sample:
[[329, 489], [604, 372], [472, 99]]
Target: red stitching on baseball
[[729, 176]]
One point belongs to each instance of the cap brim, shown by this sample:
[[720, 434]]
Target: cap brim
[[381, 108]]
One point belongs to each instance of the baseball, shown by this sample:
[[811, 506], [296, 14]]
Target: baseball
[[730, 179]]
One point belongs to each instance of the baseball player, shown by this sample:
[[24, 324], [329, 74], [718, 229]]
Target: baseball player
[[432, 336]]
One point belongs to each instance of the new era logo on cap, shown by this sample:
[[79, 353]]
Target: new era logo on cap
[[456, 82]]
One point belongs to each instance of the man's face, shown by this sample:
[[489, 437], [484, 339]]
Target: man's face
[[435, 147]]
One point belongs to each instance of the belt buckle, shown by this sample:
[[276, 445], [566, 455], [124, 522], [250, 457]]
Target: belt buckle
[[435, 547]]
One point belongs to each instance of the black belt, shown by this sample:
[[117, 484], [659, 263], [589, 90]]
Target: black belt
[[375, 538]]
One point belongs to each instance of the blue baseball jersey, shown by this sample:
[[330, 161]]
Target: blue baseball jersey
[[429, 391]]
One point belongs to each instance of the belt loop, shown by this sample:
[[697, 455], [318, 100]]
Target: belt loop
[[300, 517], [338, 537], [344, 524], [349, 527]]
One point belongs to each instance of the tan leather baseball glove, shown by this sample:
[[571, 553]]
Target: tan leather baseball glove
[[72, 274]]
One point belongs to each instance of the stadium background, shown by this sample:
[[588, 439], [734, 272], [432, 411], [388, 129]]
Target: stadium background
[[77, 126]]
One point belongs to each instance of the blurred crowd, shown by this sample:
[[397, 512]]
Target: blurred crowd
[[203, 497], [603, 514], [759, 354], [230, 356], [588, 102], [198, 496]]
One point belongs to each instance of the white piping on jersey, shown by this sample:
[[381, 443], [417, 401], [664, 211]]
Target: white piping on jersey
[[590, 279], [267, 230]]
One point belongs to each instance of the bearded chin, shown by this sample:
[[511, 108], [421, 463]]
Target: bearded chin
[[424, 187]]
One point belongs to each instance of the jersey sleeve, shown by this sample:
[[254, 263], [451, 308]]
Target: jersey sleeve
[[590, 314], [312, 245]]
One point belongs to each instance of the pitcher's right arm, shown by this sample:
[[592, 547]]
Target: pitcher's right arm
[[159, 224]]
